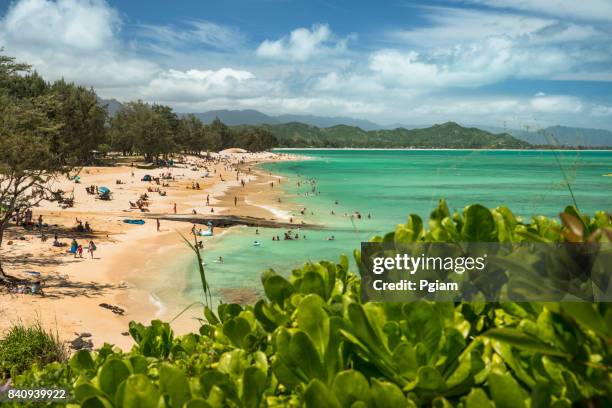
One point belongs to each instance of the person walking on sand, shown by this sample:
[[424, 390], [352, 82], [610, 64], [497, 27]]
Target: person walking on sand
[[175, 208], [80, 251], [207, 200], [158, 224], [235, 201], [91, 248]]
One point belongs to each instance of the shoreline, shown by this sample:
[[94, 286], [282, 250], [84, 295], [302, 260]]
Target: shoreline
[[128, 266], [281, 149]]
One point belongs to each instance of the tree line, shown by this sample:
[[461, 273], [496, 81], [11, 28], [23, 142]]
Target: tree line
[[156, 131]]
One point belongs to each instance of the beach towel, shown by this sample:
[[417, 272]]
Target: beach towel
[[137, 222]]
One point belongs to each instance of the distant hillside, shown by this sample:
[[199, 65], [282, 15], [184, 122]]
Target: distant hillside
[[569, 136], [559, 136], [324, 121], [447, 135], [254, 117], [236, 117], [112, 105]]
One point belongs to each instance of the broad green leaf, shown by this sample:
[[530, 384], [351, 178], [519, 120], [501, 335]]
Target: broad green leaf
[[138, 392], [311, 282], [174, 382], [236, 329], [477, 398], [429, 378], [112, 373], [351, 386], [278, 289], [81, 360], [314, 321], [317, 395], [522, 341], [505, 391], [253, 386], [586, 314], [405, 359], [305, 356], [86, 390], [197, 403], [386, 395], [479, 224], [96, 402]]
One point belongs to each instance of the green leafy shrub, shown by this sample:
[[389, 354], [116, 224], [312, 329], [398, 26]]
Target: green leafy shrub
[[312, 342], [23, 346]]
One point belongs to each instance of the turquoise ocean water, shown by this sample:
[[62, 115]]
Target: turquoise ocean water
[[390, 184]]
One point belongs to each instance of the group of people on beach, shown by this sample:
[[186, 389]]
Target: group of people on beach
[[77, 249]]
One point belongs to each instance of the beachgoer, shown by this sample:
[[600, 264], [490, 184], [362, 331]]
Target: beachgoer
[[256, 231], [80, 251], [207, 199], [158, 223], [220, 260], [175, 208], [91, 248], [235, 201]]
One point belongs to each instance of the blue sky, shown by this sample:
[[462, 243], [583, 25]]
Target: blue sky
[[498, 62]]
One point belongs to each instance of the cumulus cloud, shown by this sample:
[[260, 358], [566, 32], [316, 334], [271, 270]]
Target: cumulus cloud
[[85, 26], [302, 44], [194, 85], [72, 39]]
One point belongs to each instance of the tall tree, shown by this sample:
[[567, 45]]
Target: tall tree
[[31, 154], [191, 134], [83, 119], [28, 164], [218, 136]]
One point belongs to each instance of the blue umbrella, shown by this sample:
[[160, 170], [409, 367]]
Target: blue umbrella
[[104, 190]]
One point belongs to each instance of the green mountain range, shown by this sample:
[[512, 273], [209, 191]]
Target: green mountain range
[[447, 135]]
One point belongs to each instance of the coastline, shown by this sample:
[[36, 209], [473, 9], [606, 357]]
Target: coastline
[[573, 149], [130, 260]]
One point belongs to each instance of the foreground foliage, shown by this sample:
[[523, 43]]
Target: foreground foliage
[[23, 346], [312, 342]]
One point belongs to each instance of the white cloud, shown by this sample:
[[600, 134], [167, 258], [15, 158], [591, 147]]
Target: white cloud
[[80, 25], [601, 110], [449, 26], [72, 39], [302, 44], [194, 85], [584, 9], [194, 32], [556, 104]]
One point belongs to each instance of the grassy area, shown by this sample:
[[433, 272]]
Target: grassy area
[[24, 345]]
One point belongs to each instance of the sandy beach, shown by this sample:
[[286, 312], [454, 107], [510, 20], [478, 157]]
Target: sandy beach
[[127, 257]]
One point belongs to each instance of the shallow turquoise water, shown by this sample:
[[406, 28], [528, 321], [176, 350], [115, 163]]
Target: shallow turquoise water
[[390, 185]]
